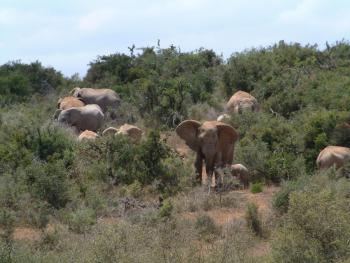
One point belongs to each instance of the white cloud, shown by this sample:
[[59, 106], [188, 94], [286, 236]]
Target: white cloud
[[303, 11], [96, 19]]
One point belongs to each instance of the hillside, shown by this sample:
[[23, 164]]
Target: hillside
[[114, 200]]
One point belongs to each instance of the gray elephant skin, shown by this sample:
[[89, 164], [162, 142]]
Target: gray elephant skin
[[105, 98], [89, 117]]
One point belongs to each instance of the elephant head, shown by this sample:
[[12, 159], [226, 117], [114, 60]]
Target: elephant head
[[213, 141], [75, 92]]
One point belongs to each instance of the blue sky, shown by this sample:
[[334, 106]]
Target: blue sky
[[69, 34]]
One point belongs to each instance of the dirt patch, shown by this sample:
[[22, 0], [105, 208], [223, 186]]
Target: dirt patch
[[26, 233], [222, 216], [261, 249]]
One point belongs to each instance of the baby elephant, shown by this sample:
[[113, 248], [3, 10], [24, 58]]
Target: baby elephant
[[132, 131], [240, 172], [87, 135]]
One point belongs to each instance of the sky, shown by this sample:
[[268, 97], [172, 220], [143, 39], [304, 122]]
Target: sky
[[69, 34]]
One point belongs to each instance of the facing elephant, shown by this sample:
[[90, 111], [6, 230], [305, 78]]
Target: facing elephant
[[105, 98], [213, 143], [241, 101], [240, 172], [89, 117], [333, 156]]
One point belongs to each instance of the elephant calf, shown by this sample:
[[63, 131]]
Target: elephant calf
[[87, 135], [240, 172], [90, 117], [333, 156], [133, 132]]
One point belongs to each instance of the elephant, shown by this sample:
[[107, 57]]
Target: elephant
[[133, 132], [223, 117], [87, 135], [241, 101], [240, 172], [330, 156], [105, 98], [213, 142], [69, 102], [90, 117]]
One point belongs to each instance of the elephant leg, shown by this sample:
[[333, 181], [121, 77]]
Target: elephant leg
[[198, 165], [210, 172]]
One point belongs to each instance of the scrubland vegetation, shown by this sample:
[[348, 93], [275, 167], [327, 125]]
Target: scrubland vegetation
[[111, 200]]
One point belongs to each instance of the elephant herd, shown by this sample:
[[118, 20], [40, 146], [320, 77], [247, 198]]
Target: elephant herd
[[212, 141], [86, 110]]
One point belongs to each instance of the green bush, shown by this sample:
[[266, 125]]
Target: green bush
[[81, 220], [48, 182], [253, 219], [280, 200], [256, 188], [166, 209], [316, 227], [206, 227]]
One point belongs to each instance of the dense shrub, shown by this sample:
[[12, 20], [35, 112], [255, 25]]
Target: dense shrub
[[20, 81], [316, 227], [256, 188], [48, 182]]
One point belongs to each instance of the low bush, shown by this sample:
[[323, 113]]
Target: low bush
[[206, 227], [81, 220], [316, 227], [253, 219], [256, 188], [165, 209]]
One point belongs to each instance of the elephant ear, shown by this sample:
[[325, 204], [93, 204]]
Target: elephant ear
[[110, 131], [187, 130], [227, 134]]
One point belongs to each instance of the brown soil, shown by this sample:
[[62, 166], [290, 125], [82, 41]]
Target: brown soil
[[26, 233]]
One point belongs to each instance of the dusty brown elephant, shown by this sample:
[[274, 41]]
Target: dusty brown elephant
[[241, 101], [87, 135], [69, 102], [105, 98], [333, 155], [132, 131], [213, 141], [240, 172]]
